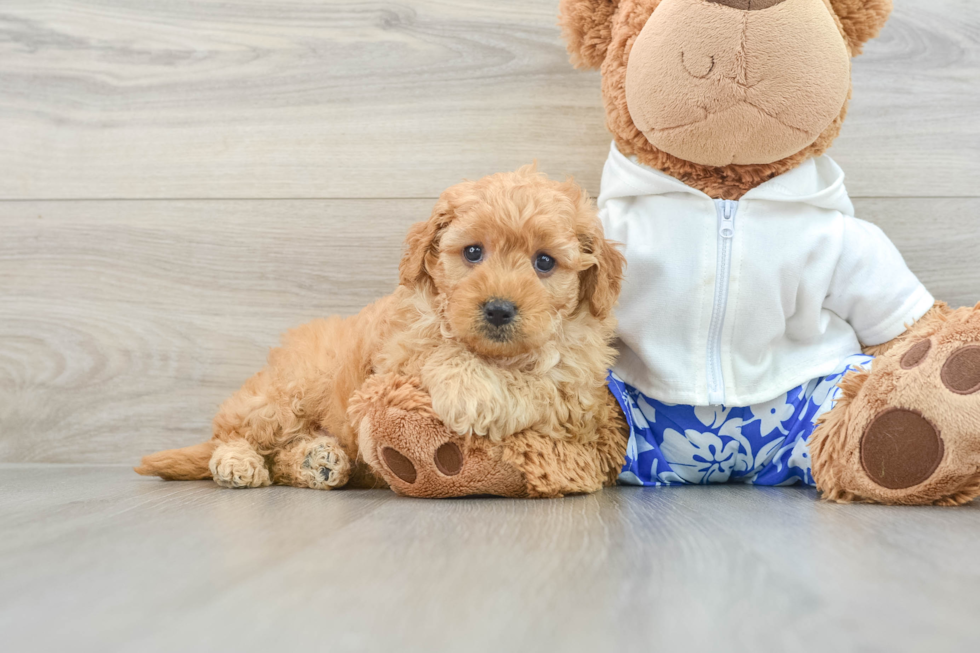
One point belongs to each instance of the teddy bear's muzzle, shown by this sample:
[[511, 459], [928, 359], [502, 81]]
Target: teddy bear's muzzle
[[722, 82], [748, 5]]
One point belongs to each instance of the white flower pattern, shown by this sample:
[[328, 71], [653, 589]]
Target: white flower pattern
[[643, 413], [712, 416], [772, 414], [764, 444], [699, 457]]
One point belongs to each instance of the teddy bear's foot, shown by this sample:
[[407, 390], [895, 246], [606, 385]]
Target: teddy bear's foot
[[316, 462], [908, 431], [236, 464], [416, 464], [403, 440]]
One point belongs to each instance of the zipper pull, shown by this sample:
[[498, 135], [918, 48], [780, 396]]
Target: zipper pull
[[728, 221]]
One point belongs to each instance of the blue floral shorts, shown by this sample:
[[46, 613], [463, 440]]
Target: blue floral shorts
[[763, 445]]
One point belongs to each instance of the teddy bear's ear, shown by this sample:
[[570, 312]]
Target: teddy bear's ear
[[862, 20], [587, 28]]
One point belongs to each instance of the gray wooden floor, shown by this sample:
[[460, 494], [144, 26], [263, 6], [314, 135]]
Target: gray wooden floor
[[181, 181], [95, 559]]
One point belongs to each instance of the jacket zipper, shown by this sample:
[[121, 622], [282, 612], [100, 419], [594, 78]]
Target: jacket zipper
[[726, 209]]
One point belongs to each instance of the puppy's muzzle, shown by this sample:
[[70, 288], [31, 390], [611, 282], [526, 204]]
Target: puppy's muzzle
[[499, 313], [498, 317]]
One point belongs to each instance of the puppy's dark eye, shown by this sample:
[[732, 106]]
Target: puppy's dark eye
[[473, 253], [544, 263]]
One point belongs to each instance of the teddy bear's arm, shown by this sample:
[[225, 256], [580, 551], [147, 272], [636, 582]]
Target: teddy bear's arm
[[409, 447], [928, 322], [555, 467], [873, 288]]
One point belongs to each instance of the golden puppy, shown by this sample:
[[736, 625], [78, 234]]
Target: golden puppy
[[503, 315]]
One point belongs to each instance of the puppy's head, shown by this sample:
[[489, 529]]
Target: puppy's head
[[509, 257]]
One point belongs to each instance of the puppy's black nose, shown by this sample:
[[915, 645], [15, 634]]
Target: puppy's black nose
[[499, 312]]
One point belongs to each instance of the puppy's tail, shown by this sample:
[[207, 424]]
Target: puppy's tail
[[187, 464]]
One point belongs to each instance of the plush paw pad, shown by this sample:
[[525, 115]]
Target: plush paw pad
[[916, 355], [919, 416], [961, 373], [449, 459], [399, 465], [418, 456], [900, 449]]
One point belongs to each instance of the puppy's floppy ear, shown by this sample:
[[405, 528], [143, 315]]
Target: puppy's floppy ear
[[602, 279], [600, 284], [587, 28], [862, 20], [422, 243]]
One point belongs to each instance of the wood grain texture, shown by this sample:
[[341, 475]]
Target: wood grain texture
[[98, 559], [346, 98], [123, 325]]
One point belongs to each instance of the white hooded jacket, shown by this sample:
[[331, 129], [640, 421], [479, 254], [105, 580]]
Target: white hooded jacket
[[736, 303]]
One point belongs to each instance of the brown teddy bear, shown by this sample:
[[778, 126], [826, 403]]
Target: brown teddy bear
[[766, 335]]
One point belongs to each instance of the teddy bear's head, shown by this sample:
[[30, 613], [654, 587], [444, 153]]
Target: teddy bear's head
[[722, 94]]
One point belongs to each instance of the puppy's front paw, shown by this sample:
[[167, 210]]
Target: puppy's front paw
[[325, 465], [237, 465], [479, 411], [458, 412]]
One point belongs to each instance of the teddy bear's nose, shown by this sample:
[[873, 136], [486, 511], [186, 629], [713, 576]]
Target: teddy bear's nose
[[748, 5]]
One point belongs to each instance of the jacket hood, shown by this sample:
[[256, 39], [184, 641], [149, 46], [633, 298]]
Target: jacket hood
[[818, 182]]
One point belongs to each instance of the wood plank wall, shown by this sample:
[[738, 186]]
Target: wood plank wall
[[180, 181]]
